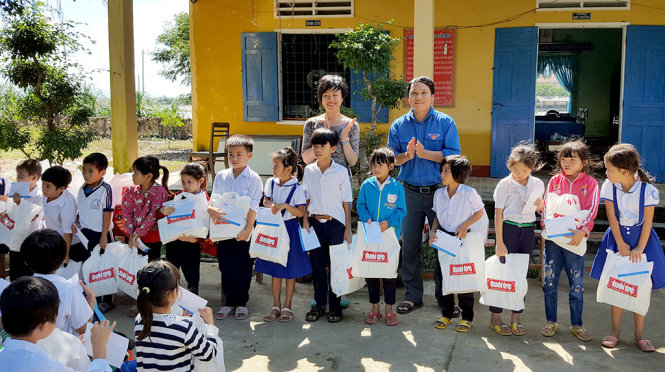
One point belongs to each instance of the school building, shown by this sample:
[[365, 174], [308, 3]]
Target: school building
[[255, 64]]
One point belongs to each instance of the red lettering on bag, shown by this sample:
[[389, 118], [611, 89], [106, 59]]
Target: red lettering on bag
[[501, 285], [105, 274], [463, 269], [369, 256], [8, 222], [126, 276], [268, 241], [348, 271], [183, 218], [622, 287]]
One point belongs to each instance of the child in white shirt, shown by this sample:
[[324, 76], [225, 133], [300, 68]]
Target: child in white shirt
[[60, 207]]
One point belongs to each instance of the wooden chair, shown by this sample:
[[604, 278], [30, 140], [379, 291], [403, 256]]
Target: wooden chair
[[218, 131]]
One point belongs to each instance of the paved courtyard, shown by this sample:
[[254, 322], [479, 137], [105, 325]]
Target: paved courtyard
[[414, 344]]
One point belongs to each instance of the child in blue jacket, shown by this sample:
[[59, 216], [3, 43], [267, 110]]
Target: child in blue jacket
[[381, 199]]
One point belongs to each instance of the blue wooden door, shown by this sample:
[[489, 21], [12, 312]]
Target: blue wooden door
[[362, 107], [514, 92], [260, 91], [644, 96]]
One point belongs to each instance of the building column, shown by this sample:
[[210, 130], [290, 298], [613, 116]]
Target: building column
[[124, 131], [423, 38]]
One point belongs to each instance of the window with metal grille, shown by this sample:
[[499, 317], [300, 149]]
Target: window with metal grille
[[582, 4], [305, 59], [313, 8]]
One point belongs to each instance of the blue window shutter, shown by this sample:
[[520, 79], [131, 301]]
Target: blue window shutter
[[260, 91], [363, 108]]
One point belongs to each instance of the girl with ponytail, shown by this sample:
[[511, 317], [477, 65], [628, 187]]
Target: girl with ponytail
[[630, 202], [141, 203], [165, 341], [285, 195]]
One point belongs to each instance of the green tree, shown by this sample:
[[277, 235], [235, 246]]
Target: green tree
[[51, 90], [174, 50], [368, 48]]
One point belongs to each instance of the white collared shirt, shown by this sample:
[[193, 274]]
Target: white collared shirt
[[36, 198], [382, 185], [60, 214], [74, 311], [91, 208], [248, 183], [452, 212], [328, 190], [24, 356], [629, 203], [511, 196], [278, 194]]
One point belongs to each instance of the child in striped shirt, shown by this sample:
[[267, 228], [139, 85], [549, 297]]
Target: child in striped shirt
[[164, 341]]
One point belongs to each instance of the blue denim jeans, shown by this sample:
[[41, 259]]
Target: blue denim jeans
[[555, 258]]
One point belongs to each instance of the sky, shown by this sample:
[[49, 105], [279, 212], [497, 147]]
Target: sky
[[149, 19]]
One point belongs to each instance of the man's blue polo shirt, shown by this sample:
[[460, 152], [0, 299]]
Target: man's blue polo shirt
[[437, 132]]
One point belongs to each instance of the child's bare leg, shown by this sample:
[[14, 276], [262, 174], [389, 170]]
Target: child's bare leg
[[389, 309], [639, 326], [496, 319], [515, 318], [290, 290], [616, 321], [375, 308], [277, 291]]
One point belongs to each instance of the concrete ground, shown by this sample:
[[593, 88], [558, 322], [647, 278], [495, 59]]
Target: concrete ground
[[414, 344]]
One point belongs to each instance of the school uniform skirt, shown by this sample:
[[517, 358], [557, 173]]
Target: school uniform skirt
[[297, 264], [631, 235]]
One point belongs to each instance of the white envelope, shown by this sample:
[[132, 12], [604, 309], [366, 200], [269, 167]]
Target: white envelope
[[447, 244], [142, 246], [188, 302], [116, 348], [82, 238], [309, 240], [266, 217], [234, 215], [626, 268], [560, 226], [183, 208], [529, 207], [372, 232], [21, 188]]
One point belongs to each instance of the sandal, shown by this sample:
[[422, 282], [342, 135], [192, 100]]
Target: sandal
[[463, 326], [442, 322], [501, 329], [373, 318], [225, 312], [456, 312], [549, 329], [609, 341], [274, 313], [335, 316], [241, 313], [286, 315], [391, 319], [517, 329], [645, 345], [408, 306], [314, 314], [581, 334]]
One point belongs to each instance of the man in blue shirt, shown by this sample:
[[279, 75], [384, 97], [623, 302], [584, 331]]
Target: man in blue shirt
[[420, 140]]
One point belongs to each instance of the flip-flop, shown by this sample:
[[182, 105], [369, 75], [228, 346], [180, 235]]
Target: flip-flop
[[463, 326], [391, 319], [609, 341], [581, 334], [442, 322], [286, 315], [225, 312], [645, 345], [241, 313], [373, 317], [517, 329], [405, 307], [501, 329], [274, 313], [549, 329]]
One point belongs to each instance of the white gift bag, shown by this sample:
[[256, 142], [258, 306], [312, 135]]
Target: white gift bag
[[222, 230], [342, 279], [171, 227], [270, 240], [127, 270], [217, 364], [632, 293], [66, 349], [15, 226], [506, 284], [464, 272], [119, 183], [100, 270], [376, 260], [73, 268], [565, 205]]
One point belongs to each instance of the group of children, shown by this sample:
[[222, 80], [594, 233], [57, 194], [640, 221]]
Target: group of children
[[323, 200]]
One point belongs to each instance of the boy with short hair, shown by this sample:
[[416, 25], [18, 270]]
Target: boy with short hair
[[329, 198], [233, 254], [29, 307], [59, 206], [44, 251]]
